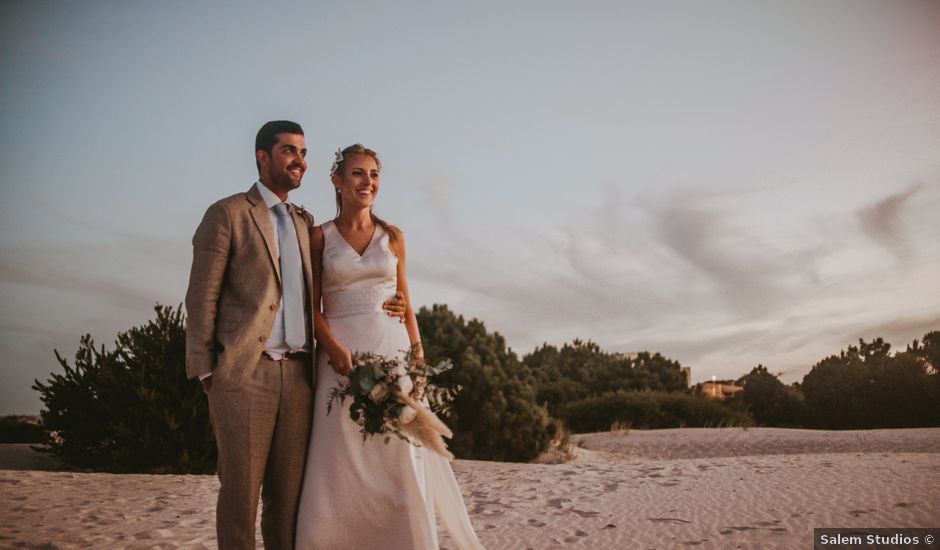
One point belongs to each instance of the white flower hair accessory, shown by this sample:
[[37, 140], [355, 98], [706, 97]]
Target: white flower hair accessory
[[339, 158]]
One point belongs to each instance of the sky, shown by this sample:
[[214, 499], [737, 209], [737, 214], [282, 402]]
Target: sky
[[728, 183]]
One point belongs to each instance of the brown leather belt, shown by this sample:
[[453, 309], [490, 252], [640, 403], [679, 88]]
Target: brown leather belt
[[290, 355]]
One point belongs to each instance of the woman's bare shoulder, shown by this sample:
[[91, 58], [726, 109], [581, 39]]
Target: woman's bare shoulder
[[316, 237], [395, 231]]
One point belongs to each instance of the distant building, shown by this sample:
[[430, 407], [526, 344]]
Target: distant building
[[720, 389]]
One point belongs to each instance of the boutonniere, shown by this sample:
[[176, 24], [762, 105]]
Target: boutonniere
[[307, 216]]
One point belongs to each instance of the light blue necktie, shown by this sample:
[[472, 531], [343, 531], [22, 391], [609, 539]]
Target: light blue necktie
[[291, 284]]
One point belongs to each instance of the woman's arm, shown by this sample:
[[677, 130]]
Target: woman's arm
[[411, 322], [340, 358]]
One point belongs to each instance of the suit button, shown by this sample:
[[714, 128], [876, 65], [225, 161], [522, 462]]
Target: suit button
[[261, 338]]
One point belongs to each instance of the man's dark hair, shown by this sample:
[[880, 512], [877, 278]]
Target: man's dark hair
[[267, 135]]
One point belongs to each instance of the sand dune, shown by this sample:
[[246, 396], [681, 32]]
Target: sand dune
[[699, 488]]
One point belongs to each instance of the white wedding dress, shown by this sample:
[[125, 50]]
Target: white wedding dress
[[365, 495]]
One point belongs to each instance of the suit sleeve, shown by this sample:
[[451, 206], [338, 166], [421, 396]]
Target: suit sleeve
[[211, 245]]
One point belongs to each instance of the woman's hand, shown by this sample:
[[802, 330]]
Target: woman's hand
[[396, 307], [340, 360]]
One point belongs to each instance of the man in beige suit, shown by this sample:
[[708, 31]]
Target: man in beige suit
[[249, 340]]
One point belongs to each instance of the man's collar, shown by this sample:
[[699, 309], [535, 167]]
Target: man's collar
[[270, 199]]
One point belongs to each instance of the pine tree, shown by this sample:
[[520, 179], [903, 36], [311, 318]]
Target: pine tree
[[131, 409]]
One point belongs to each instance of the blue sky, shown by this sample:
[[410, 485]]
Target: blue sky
[[727, 182]]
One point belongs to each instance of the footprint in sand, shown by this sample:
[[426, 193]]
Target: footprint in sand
[[668, 520], [904, 504], [536, 523], [557, 502], [578, 535]]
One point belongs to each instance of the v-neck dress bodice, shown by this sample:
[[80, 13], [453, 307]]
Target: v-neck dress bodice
[[356, 283], [345, 269]]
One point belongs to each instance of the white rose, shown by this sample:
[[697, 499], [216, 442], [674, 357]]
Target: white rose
[[378, 393], [407, 414], [405, 385]]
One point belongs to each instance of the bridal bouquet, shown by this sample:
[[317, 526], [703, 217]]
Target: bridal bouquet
[[395, 396]]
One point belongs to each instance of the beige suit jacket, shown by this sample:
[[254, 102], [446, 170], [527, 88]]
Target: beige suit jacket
[[235, 289]]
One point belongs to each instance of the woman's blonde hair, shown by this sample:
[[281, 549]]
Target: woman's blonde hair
[[359, 149]]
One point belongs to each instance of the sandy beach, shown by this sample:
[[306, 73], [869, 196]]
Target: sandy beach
[[691, 487]]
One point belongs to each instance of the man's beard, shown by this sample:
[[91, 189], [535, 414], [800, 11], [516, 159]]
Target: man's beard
[[285, 181]]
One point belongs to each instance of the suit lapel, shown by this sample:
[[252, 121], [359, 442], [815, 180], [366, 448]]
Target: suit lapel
[[303, 239], [262, 219]]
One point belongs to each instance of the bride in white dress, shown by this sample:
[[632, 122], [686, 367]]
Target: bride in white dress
[[372, 494]]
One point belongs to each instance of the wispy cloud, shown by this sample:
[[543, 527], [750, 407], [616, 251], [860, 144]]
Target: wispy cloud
[[130, 274], [27, 267], [690, 276], [883, 221]]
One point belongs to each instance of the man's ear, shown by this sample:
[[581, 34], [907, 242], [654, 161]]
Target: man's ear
[[262, 157]]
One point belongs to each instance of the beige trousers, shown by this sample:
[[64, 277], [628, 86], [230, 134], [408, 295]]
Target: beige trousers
[[262, 430]]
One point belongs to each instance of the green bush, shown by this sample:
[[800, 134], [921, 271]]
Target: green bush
[[495, 416], [649, 410], [130, 409], [582, 369], [21, 429], [770, 402], [869, 387]]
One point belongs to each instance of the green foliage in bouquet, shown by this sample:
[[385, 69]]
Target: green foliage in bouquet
[[372, 386], [495, 415], [130, 409]]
